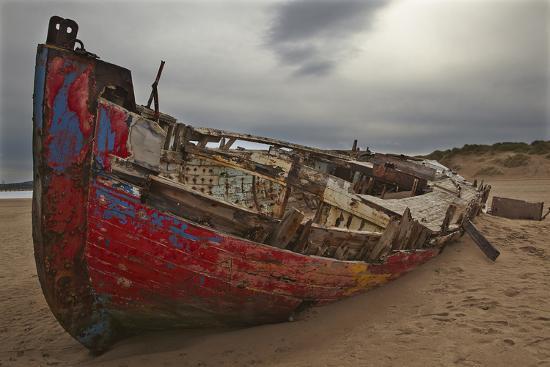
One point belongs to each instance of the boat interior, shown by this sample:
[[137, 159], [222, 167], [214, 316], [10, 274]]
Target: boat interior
[[345, 204]]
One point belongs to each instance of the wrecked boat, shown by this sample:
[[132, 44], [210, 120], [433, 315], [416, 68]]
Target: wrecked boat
[[144, 222]]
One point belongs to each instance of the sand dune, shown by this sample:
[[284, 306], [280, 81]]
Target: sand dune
[[457, 310]]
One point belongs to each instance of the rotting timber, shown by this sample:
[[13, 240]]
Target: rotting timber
[[143, 222]]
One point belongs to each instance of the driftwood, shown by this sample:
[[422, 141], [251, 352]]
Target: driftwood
[[488, 249], [516, 209]]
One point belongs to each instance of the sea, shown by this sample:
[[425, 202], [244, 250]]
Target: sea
[[15, 195]]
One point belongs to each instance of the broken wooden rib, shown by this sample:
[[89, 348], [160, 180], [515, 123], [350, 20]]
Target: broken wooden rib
[[141, 222], [488, 249], [286, 229]]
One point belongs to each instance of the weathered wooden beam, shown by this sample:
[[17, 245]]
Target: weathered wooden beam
[[286, 229], [179, 137], [439, 241], [411, 168], [169, 137], [337, 236], [488, 249], [414, 187], [404, 230], [279, 206], [516, 209], [383, 193], [268, 141], [388, 237], [448, 217], [370, 185], [302, 241], [341, 252], [390, 175], [229, 143], [204, 209], [340, 197]]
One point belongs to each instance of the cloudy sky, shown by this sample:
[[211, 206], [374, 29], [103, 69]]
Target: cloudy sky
[[403, 76]]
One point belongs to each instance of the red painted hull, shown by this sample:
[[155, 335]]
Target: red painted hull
[[151, 267]]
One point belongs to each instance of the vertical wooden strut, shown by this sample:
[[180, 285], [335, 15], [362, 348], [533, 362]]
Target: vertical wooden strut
[[154, 92]]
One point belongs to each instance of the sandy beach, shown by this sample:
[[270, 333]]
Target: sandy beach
[[457, 310]]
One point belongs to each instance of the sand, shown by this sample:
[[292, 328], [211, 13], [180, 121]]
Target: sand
[[457, 310]]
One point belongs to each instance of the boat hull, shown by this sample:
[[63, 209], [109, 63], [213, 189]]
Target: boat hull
[[110, 264], [151, 268]]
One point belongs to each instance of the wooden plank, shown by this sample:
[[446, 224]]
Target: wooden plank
[[267, 141], [404, 230], [488, 249], [333, 236], [286, 229], [390, 175], [406, 166], [351, 203], [414, 187], [384, 245], [302, 241], [169, 136], [205, 209], [229, 143], [448, 217], [442, 240], [422, 239], [340, 253], [516, 209]]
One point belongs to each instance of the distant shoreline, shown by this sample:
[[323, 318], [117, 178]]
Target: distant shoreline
[[19, 194], [16, 186]]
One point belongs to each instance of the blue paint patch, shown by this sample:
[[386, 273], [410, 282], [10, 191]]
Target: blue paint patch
[[179, 232], [107, 242], [170, 266], [158, 219], [67, 139], [99, 329], [117, 208], [105, 137], [201, 280], [39, 86]]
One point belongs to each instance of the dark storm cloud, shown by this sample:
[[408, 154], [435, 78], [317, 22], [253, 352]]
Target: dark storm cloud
[[312, 36]]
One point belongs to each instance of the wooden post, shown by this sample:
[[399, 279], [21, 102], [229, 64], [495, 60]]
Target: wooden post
[[414, 187], [302, 241], [169, 134], [369, 187], [222, 143], [448, 217], [229, 143]]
